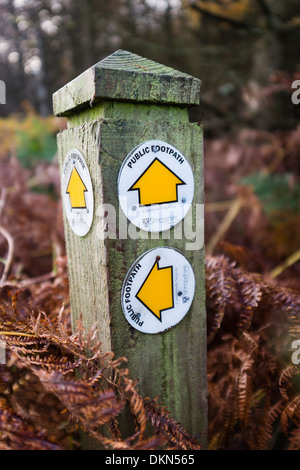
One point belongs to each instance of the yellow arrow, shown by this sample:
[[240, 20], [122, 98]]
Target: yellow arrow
[[156, 293], [157, 184], [76, 190]]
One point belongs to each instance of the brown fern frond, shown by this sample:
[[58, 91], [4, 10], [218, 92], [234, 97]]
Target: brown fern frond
[[285, 380], [53, 363], [114, 429], [227, 285], [244, 390], [240, 294], [19, 436], [291, 415], [91, 408], [266, 434], [249, 294], [294, 439], [242, 378], [168, 427], [152, 443], [219, 287], [137, 407]]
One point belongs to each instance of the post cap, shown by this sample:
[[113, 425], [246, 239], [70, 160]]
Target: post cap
[[124, 76]]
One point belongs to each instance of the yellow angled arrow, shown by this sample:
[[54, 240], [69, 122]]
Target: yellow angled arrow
[[76, 190], [156, 293], [157, 185]]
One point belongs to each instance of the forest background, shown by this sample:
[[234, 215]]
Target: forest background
[[247, 55]]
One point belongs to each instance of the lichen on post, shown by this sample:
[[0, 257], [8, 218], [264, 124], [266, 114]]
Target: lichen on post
[[111, 108]]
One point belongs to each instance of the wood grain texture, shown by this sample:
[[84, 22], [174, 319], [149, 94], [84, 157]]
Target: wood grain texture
[[171, 365], [87, 256], [127, 77]]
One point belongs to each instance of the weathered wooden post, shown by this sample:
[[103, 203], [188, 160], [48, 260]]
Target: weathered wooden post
[[132, 186]]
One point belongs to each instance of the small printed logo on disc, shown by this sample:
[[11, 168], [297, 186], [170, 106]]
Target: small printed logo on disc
[[155, 186], [158, 290], [77, 193]]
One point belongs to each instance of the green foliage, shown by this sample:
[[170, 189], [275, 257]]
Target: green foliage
[[29, 136], [276, 192], [39, 144]]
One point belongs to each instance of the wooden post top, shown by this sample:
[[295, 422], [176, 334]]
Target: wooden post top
[[124, 76]]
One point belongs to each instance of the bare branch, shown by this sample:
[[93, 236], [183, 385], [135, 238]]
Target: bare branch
[[29, 282], [10, 254], [2, 200], [271, 19]]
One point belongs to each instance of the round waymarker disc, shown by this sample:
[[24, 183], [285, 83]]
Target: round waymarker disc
[[158, 290], [155, 186], [77, 193]]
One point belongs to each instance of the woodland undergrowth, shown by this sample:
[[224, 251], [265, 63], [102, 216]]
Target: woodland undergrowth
[[56, 383]]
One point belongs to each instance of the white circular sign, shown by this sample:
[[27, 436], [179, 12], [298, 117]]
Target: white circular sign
[[155, 186], [158, 290], [77, 193]]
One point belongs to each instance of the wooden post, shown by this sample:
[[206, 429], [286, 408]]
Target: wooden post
[[112, 108]]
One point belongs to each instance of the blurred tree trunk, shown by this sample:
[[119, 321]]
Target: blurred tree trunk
[[43, 95], [265, 36], [21, 91]]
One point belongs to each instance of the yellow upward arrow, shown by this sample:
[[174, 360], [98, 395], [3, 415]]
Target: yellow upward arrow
[[156, 293], [76, 190], [157, 184]]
